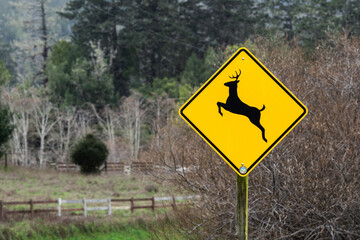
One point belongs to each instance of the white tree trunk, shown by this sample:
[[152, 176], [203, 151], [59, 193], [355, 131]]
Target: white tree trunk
[[108, 122], [22, 106], [43, 110], [137, 129], [132, 114]]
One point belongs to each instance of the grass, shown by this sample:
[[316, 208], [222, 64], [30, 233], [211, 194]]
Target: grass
[[19, 184], [128, 233], [90, 228], [51, 229]]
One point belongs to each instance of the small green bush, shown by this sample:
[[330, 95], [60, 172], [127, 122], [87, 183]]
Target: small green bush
[[89, 153]]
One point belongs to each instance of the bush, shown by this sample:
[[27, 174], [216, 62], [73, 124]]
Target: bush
[[89, 153], [6, 127]]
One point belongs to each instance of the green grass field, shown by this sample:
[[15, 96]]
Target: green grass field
[[129, 233]]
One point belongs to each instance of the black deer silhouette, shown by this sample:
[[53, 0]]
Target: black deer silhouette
[[235, 105]]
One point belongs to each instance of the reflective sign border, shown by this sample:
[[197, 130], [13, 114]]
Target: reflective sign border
[[213, 77]]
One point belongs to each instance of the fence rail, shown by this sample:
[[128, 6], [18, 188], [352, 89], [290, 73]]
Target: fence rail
[[116, 167], [150, 204]]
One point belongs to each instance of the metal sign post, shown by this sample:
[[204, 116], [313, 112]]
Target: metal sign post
[[242, 206]]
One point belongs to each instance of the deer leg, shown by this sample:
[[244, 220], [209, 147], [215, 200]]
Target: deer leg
[[220, 104], [263, 133], [257, 123]]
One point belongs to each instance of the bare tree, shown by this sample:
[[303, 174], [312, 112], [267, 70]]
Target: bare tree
[[21, 105], [82, 124], [66, 121], [109, 120], [132, 116], [44, 122], [158, 114]]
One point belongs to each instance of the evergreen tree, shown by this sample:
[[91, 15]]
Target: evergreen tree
[[89, 153], [197, 70], [74, 80], [284, 16], [231, 21], [102, 22], [6, 127]]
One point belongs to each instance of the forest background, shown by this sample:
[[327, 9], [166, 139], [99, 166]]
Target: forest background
[[120, 70]]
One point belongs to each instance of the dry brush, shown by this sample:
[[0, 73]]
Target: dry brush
[[308, 187]]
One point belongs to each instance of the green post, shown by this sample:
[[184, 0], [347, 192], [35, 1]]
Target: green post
[[242, 206]]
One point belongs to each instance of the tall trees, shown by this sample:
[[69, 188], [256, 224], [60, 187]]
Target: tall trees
[[75, 80], [7, 35], [230, 21], [158, 35], [99, 21], [34, 44], [285, 14]]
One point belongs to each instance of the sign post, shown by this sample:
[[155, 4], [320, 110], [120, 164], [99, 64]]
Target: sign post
[[242, 206], [243, 111]]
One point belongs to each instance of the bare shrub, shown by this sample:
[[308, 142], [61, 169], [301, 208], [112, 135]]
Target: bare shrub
[[308, 187], [151, 188]]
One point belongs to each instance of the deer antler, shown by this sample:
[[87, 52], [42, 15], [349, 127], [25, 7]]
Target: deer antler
[[237, 75]]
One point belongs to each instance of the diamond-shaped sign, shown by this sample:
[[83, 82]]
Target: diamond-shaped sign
[[243, 111]]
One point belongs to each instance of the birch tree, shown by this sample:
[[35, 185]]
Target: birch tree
[[82, 124], [108, 122], [160, 108], [132, 116], [21, 105], [44, 122], [66, 122]]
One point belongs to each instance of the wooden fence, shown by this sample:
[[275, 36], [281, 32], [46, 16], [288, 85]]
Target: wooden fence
[[63, 166], [119, 167], [109, 205]]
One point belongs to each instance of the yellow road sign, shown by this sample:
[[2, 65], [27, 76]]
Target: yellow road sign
[[243, 111]]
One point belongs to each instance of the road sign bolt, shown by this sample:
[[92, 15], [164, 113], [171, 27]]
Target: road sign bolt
[[243, 169], [243, 58]]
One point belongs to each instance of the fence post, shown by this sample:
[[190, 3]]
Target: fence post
[[109, 206], [6, 161], [59, 207], [32, 208], [174, 203], [153, 204], [1, 210], [132, 205], [84, 205]]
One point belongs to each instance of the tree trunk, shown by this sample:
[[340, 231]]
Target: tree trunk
[[44, 38], [41, 151]]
